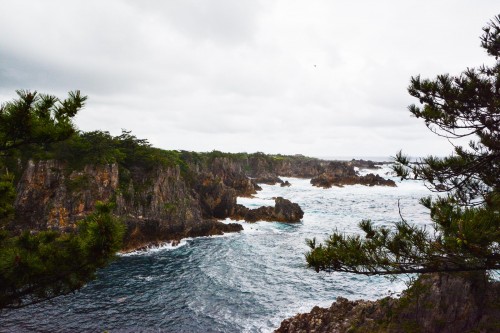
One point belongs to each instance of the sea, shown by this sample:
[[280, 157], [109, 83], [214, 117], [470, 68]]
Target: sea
[[239, 282]]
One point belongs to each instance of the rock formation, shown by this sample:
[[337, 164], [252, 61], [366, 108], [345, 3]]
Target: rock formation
[[444, 303], [283, 211]]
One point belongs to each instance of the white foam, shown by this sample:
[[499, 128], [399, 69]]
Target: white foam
[[167, 246]]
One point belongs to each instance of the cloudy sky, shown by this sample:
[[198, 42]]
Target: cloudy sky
[[320, 78]]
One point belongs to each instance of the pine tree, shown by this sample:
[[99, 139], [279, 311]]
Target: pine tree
[[467, 213], [39, 265]]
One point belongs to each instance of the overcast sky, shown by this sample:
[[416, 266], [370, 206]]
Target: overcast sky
[[320, 78]]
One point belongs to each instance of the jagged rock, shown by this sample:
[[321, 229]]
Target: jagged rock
[[232, 175], [324, 180], [439, 303], [364, 164], [372, 180], [283, 211], [287, 211], [50, 198], [216, 199]]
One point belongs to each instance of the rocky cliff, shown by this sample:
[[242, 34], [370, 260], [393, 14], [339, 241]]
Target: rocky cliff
[[161, 202], [444, 303], [156, 205]]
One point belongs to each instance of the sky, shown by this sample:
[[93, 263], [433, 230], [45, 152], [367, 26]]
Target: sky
[[319, 78]]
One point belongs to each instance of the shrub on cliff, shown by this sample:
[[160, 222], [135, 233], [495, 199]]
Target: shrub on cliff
[[40, 266], [467, 217]]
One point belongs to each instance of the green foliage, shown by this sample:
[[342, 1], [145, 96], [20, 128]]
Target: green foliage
[[39, 266], [467, 218], [37, 120], [78, 183], [89, 148], [7, 196]]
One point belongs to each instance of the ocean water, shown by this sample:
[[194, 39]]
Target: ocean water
[[243, 282]]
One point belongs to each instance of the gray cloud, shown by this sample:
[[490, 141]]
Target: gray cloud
[[319, 78]]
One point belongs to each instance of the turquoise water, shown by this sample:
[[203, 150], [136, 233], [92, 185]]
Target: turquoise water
[[245, 282]]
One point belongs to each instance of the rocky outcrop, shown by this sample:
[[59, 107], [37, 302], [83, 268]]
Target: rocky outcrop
[[216, 199], [268, 179], [365, 164], [283, 211], [156, 205], [50, 198], [327, 180], [445, 303]]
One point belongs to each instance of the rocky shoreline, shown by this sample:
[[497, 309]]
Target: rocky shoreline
[[437, 303], [168, 203]]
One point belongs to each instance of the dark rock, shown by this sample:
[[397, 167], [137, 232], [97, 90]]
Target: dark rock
[[283, 211], [269, 180], [286, 184], [216, 199], [212, 228], [327, 180], [372, 180], [287, 211], [324, 180]]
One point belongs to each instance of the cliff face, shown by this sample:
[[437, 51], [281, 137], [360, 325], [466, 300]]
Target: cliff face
[[444, 303], [156, 205], [49, 198]]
